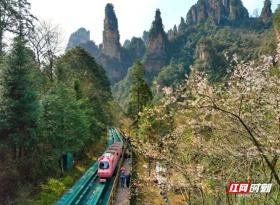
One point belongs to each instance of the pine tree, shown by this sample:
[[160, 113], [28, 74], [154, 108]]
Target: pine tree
[[12, 14], [20, 105], [139, 94], [66, 124]]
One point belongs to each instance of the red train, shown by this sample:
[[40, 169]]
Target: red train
[[109, 160]]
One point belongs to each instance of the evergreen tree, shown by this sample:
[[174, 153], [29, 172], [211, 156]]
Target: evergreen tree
[[139, 94], [13, 13], [66, 125], [20, 106], [79, 70]]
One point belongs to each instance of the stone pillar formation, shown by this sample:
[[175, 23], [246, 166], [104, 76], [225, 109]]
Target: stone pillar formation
[[111, 38]]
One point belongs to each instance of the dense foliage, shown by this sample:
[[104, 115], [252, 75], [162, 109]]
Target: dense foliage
[[50, 105], [220, 134], [208, 134], [213, 116], [140, 94], [14, 14], [120, 90], [171, 75], [135, 49], [20, 108]]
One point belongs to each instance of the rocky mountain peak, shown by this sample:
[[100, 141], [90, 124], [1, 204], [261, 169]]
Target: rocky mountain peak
[[136, 49], [237, 11], [80, 36], [182, 26], [111, 38], [156, 55], [145, 37], [172, 33], [219, 10], [266, 11], [157, 26], [110, 21]]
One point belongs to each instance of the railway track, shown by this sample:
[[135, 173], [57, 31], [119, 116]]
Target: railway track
[[87, 190]]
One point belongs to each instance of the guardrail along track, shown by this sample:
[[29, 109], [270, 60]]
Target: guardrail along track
[[87, 190]]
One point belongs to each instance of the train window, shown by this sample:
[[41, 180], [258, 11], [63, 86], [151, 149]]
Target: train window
[[104, 165]]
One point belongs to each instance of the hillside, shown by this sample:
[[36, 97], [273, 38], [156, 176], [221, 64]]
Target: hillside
[[212, 46], [194, 109], [213, 129]]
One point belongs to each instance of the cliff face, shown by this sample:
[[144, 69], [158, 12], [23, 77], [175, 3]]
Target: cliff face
[[172, 33], [156, 55], [219, 10], [182, 26], [204, 52], [111, 38], [78, 37], [82, 38], [112, 55], [136, 49], [211, 60], [115, 59], [237, 11], [145, 37], [266, 11]]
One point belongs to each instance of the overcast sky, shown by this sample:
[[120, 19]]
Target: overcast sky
[[134, 16]]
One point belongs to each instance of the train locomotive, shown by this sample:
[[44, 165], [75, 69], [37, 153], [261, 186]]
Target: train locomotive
[[108, 161]]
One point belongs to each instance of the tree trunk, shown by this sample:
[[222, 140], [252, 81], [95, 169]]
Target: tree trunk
[[1, 43], [60, 161], [51, 70]]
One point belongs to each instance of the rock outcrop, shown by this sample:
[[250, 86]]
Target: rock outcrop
[[126, 43], [112, 56], [156, 53], [266, 11], [136, 49], [145, 37], [91, 48], [237, 11], [172, 33], [219, 10], [81, 38], [111, 38], [211, 61], [205, 51], [182, 26]]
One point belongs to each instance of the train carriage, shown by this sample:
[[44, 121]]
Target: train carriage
[[108, 161]]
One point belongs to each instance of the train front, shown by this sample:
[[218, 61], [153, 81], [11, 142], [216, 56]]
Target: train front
[[104, 168]]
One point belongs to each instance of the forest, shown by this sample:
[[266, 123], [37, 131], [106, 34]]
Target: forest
[[218, 124], [50, 104], [200, 101]]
